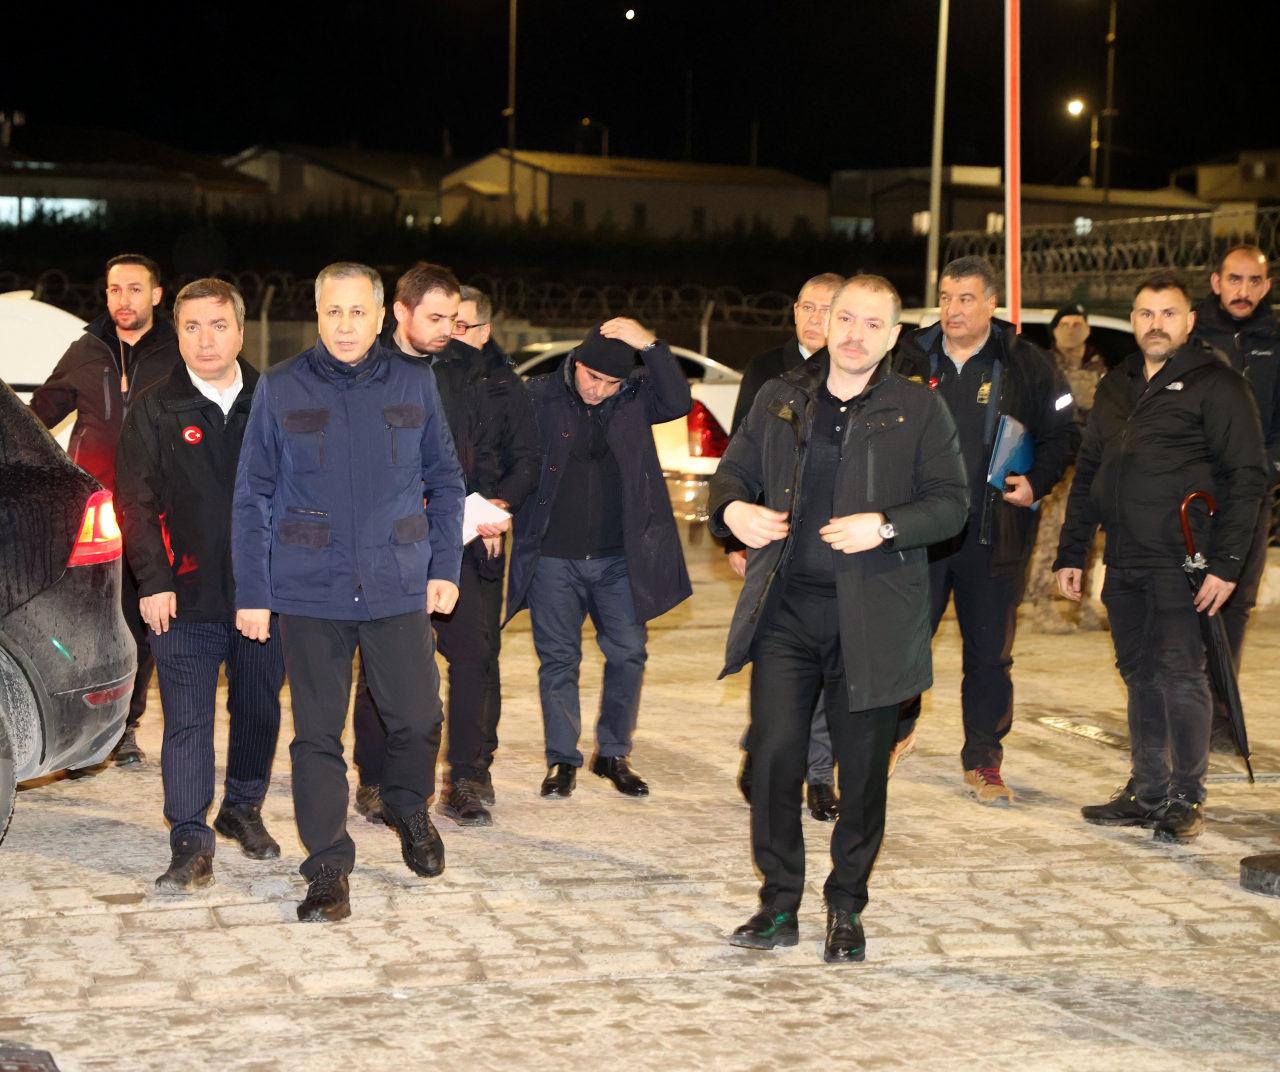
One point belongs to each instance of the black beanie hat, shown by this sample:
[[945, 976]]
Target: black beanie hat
[[1068, 310], [609, 357]]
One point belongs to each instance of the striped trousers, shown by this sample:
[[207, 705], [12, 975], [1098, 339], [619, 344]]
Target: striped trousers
[[188, 658]]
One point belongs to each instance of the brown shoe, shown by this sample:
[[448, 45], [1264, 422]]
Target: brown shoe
[[987, 787]]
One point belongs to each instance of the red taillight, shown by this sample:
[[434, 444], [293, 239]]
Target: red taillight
[[706, 438], [106, 696], [99, 537]]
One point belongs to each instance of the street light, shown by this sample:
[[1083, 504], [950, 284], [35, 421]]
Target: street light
[[1075, 109], [588, 122]]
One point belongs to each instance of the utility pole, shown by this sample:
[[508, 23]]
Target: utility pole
[[510, 111], [935, 167]]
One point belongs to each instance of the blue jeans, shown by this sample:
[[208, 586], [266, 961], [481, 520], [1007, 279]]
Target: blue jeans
[[562, 593]]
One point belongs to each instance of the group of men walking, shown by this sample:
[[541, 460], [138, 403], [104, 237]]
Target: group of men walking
[[276, 523]]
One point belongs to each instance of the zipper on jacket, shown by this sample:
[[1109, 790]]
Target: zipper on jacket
[[306, 512], [106, 393]]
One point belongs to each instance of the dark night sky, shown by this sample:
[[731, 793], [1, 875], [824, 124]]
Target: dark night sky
[[845, 84]]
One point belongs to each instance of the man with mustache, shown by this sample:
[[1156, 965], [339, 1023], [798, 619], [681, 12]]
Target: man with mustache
[[1237, 320], [1169, 420]]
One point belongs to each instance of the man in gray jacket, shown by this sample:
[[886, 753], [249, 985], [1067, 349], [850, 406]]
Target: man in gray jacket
[[841, 476]]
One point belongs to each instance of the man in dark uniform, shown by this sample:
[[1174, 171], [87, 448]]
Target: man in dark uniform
[[120, 354], [983, 369], [1237, 320], [809, 313]]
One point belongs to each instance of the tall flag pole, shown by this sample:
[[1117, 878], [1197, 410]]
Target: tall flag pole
[[1013, 161]]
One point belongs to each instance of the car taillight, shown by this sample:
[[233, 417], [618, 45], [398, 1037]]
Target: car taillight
[[99, 537], [706, 438], [111, 695]]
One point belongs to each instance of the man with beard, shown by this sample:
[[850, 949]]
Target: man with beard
[[1169, 420], [1237, 321], [120, 354], [839, 479]]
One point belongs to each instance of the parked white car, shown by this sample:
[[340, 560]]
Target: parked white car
[[33, 336], [690, 448]]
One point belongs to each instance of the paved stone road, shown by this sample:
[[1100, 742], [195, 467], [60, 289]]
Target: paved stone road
[[589, 933]]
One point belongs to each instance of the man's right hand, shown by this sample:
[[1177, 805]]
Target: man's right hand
[[1069, 582], [254, 624], [755, 525], [157, 609], [738, 562]]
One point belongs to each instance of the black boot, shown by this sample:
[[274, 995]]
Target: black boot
[[243, 823], [188, 872], [461, 801], [1179, 820], [328, 897], [420, 845], [127, 753], [1123, 809], [845, 940], [369, 804], [767, 929]]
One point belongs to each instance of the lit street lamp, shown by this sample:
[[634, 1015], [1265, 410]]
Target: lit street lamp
[[1075, 109]]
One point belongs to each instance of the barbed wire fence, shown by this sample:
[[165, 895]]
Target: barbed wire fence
[[1102, 260]]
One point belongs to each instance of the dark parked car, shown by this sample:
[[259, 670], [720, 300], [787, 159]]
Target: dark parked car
[[66, 657]]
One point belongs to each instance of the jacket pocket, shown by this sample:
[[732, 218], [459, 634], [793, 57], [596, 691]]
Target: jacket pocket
[[403, 439], [302, 560], [304, 438], [412, 552]]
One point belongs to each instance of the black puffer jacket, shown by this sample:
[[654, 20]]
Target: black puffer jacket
[[1193, 427], [1253, 347], [176, 475], [1033, 390], [87, 380], [900, 457]]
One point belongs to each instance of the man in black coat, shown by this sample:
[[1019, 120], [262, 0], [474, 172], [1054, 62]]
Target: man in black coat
[[984, 370], [120, 354], [175, 477], [599, 538], [1237, 321], [1168, 421], [810, 311], [840, 477], [491, 420]]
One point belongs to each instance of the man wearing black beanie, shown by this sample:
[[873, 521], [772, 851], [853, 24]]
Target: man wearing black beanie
[[598, 537]]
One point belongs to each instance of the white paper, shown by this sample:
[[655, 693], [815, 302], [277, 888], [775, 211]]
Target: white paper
[[477, 511]]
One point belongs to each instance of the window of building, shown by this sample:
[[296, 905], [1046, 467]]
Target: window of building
[[698, 220], [578, 214], [921, 222], [995, 223], [15, 210], [639, 216]]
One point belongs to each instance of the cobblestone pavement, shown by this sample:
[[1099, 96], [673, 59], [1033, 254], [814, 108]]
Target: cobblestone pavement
[[590, 932]]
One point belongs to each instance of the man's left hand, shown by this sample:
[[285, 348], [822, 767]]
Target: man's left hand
[[1018, 491], [1213, 593], [442, 597], [853, 532], [634, 334]]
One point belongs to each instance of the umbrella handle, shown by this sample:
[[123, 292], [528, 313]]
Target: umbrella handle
[[1187, 537]]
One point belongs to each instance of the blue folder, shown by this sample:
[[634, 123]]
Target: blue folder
[[1013, 452]]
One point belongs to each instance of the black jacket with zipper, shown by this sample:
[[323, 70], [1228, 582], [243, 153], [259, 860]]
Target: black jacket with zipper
[[900, 457], [87, 380], [176, 473], [1031, 389], [1193, 427], [1253, 347]]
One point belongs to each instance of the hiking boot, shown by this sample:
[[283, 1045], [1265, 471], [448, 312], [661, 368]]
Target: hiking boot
[[987, 787], [328, 897], [461, 802], [243, 823], [420, 845], [188, 872], [1179, 820], [1123, 809], [369, 804], [127, 753]]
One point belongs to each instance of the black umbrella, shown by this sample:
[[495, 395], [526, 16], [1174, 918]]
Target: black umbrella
[[1218, 649]]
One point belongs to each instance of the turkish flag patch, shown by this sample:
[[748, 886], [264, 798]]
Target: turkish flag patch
[[192, 434]]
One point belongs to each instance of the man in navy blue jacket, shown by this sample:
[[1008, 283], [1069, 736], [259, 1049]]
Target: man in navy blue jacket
[[330, 532]]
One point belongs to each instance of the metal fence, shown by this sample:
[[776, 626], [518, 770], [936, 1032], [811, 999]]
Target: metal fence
[[1100, 260]]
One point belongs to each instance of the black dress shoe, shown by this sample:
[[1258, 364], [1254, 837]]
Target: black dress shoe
[[559, 781], [766, 929], [461, 802], [188, 872], [845, 940], [369, 804], [127, 753], [243, 823], [823, 804], [619, 772], [328, 897], [744, 777], [1123, 809], [420, 845]]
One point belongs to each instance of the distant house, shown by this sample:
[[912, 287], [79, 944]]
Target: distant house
[[893, 202], [661, 197], [1237, 186], [304, 178], [73, 172]]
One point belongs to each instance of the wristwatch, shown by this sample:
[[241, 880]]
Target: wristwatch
[[887, 531], [646, 349]]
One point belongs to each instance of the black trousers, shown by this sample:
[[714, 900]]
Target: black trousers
[[188, 658], [1161, 656], [142, 638], [987, 610], [470, 639], [398, 655], [795, 659]]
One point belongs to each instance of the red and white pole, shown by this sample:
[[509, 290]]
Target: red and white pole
[[1013, 161]]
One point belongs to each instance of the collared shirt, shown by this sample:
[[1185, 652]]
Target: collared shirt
[[981, 346], [225, 399], [805, 352]]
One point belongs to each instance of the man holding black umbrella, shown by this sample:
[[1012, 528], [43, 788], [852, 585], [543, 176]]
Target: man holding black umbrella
[[1167, 421]]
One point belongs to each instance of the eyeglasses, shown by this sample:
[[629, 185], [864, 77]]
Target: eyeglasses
[[461, 327]]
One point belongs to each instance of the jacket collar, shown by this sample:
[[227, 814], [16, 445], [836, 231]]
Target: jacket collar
[[160, 333], [177, 392], [1262, 320], [812, 374], [373, 366], [472, 360], [1191, 355]]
